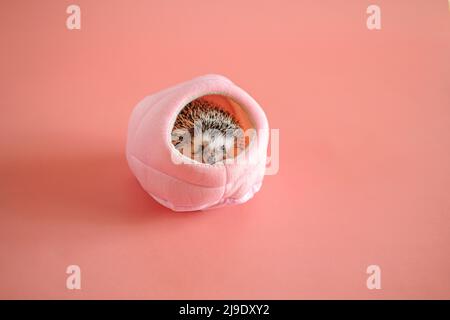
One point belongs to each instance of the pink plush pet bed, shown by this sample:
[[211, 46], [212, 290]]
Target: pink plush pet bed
[[184, 184]]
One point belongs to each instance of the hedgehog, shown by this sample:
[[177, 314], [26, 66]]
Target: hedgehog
[[206, 133]]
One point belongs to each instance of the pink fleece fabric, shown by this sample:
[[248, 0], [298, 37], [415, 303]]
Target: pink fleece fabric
[[193, 185]]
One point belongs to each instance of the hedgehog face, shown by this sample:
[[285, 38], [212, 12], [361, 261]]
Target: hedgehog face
[[215, 146], [210, 146], [206, 133]]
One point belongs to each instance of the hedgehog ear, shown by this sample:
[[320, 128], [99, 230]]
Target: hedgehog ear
[[177, 136]]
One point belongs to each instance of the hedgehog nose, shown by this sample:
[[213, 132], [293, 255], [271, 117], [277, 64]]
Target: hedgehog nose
[[211, 160]]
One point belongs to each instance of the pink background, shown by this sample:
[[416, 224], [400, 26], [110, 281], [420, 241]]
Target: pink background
[[364, 119]]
